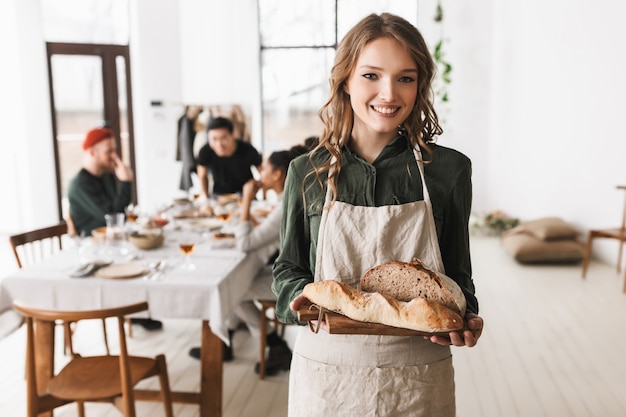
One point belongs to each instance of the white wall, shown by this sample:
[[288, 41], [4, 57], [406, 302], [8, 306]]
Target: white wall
[[467, 29], [536, 103], [220, 59], [156, 76], [28, 186], [187, 51], [556, 143]]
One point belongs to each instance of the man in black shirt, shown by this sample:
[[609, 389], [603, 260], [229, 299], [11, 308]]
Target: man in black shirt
[[228, 158]]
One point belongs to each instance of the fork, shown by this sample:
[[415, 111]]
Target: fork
[[155, 269]]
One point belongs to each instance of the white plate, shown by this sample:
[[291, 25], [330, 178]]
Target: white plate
[[122, 271]]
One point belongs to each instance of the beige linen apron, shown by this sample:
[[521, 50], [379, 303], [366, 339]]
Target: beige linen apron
[[365, 375]]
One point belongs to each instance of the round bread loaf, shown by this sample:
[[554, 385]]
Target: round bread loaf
[[405, 281]]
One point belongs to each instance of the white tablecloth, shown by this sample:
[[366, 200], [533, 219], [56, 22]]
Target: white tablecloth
[[210, 292]]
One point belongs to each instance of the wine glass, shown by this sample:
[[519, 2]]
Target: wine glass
[[161, 219], [187, 244], [222, 213], [132, 213]]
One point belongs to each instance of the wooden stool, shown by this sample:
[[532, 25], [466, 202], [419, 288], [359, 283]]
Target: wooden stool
[[265, 306]]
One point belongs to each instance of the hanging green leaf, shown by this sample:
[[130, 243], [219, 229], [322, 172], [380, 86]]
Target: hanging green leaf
[[444, 68]]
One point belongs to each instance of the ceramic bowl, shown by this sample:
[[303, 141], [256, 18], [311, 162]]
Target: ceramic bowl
[[146, 240]]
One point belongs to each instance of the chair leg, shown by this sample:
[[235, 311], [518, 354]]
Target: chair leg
[[104, 334], [263, 341], [166, 393], [67, 338], [587, 254], [81, 408], [619, 256], [130, 327], [280, 328]]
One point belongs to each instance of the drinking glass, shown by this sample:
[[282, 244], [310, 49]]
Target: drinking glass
[[132, 213], [161, 219], [187, 242], [114, 226], [222, 213]]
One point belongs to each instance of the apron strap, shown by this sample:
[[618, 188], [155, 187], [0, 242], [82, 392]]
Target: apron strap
[[429, 207], [431, 224]]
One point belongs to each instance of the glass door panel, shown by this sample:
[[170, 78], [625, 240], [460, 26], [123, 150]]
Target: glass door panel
[[89, 87], [78, 89]]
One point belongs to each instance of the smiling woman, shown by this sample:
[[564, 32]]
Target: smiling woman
[[364, 188]]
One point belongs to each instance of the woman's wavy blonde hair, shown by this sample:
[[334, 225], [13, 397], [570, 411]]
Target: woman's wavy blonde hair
[[337, 115]]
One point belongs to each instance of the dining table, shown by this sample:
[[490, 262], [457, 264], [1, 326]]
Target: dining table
[[208, 290]]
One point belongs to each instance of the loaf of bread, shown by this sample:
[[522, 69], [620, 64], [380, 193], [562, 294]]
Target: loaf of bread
[[406, 281], [417, 314]]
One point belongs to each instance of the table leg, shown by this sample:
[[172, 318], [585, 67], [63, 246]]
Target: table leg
[[211, 373], [210, 395], [44, 358]]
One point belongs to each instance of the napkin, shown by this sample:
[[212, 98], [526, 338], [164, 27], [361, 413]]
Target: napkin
[[89, 268]]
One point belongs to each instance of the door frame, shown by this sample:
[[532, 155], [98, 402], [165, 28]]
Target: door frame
[[108, 55]]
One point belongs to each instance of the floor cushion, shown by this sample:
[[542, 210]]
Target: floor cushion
[[527, 248]]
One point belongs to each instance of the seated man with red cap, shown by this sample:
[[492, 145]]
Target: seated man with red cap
[[103, 185]]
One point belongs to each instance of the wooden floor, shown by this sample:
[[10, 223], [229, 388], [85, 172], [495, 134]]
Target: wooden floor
[[554, 345]]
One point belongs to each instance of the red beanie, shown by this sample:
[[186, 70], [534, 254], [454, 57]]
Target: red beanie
[[96, 135]]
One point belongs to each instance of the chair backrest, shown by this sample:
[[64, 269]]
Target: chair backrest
[[33, 246], [76, 315]]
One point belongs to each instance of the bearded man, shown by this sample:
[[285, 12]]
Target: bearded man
[[103, 185]]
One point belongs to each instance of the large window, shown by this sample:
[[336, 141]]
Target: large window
[[298, 41]]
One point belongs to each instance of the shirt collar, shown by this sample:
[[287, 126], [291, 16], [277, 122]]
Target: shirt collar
[[398, 145]]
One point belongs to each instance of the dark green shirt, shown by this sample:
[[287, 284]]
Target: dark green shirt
[[92, 197], [392, 179]]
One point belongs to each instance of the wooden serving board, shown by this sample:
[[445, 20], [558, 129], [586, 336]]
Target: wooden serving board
[[340, 324]]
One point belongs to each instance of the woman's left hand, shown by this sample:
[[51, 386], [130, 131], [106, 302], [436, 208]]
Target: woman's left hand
[[468, 337]]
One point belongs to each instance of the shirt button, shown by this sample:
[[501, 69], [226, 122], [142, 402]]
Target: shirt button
[[373, 171]]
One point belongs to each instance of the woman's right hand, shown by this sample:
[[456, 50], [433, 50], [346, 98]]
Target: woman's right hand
[[301, 301]]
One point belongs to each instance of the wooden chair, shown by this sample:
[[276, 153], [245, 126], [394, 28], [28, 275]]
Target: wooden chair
[[267, 305], [618, 233], [89, 378], [35, 245]]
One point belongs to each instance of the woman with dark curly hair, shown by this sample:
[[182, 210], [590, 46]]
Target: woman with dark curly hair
[[375, 189]]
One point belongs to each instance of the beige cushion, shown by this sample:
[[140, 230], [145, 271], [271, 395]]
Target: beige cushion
[[547, 228], [527, 248]]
